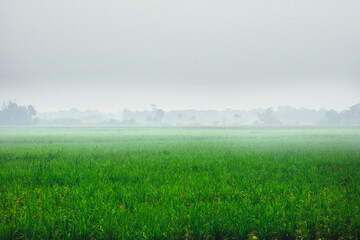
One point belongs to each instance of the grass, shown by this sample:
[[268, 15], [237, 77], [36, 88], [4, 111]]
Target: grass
[[180, 183]]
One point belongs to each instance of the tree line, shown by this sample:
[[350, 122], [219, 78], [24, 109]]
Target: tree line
[[15, 115]]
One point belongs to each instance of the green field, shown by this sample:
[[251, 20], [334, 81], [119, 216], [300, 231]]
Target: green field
[[180, 183]]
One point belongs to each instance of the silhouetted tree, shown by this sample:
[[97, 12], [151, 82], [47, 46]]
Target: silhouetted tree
[[15, 115], [352, 116], [333, 118], [157, 114], [268, 117]]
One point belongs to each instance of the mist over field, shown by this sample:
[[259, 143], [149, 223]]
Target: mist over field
[[180, 119]]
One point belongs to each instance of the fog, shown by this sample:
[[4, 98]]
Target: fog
[[180, 54]]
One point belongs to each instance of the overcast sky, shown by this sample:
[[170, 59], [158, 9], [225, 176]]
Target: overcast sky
[[180, 54]]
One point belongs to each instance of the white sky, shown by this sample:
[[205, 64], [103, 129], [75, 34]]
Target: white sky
[[180, 54]]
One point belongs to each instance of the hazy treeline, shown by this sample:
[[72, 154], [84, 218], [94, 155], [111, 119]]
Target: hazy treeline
[[282, 115], [12, 114]]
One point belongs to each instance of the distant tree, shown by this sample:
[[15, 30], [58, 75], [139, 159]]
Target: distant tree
[[127, 115], [332, 118], [237, 118], [352, 116], [15, 115], [268, 117], [151, 120], [157, 114]]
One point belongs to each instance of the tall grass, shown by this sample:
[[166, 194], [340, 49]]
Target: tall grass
[[173, 183]]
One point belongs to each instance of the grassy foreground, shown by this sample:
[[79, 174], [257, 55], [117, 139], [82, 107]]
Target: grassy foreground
[[173, 183]]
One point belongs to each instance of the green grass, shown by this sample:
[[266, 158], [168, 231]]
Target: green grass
[[180, 183]]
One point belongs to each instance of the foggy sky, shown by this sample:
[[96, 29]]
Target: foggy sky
[[180, 54]]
